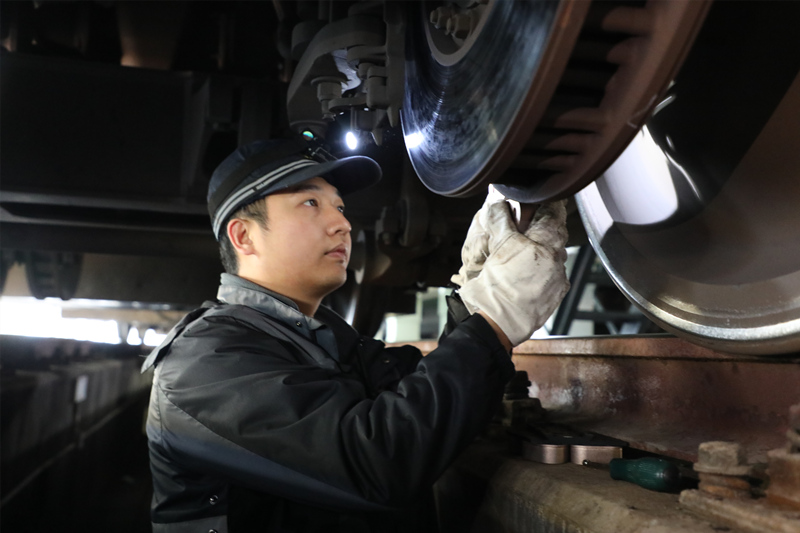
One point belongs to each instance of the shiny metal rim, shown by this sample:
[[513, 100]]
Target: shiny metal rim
[[775, 336], [697, 221], [446, 48]]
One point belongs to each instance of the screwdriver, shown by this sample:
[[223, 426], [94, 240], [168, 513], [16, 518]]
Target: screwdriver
[[648, 472]]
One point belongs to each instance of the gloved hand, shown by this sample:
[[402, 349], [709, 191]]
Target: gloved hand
[[475, 249], [523, 279]]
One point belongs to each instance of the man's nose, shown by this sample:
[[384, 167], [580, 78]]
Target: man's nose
[[339, 223]]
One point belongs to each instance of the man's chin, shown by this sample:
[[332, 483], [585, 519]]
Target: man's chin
[[336, 283]]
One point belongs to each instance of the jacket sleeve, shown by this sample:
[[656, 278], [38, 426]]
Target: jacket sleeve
[[382, 367], [253, 412]]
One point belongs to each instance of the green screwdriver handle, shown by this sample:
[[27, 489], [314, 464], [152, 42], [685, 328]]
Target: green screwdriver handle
[[649, 472]]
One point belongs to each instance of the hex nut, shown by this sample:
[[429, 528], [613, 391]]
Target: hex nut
[[329, 90], [720, 457], [440, 16], [733, 487], [459, 25]]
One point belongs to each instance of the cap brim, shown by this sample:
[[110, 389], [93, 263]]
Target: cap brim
[[348, 175]]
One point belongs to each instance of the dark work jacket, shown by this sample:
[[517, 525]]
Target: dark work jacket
[[263, 419]]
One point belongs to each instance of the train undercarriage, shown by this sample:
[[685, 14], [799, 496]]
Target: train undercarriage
[[672, 128]]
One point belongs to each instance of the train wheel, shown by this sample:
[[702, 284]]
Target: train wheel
[[697, 222]]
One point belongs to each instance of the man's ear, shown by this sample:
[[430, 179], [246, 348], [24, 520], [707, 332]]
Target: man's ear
[[240, 234]]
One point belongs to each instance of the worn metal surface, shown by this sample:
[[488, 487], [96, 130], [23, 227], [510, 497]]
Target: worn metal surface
[[488, 491], [663, 394], [549, 454], [753, 516], [660, 393], [595, 454]]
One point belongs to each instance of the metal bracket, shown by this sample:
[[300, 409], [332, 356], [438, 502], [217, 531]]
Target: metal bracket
[[355, 64]]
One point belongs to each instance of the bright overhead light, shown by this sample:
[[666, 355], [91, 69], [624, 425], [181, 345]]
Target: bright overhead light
[[351, 140]]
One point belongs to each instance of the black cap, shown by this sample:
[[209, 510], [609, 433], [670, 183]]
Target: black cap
[[265, 167]]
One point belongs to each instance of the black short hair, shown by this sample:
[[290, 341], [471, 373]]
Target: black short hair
[[255, 211]]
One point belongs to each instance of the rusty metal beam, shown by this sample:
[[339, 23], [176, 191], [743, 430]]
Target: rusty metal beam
[[662, 394]]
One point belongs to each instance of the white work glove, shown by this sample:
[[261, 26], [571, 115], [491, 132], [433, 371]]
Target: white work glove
[[523, 279], [474, 251]]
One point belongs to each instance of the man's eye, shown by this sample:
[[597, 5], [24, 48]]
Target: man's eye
[[341, 209], [311, 202]]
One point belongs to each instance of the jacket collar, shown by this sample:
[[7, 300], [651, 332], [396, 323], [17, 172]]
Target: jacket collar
[[236, 290], [239, 291]]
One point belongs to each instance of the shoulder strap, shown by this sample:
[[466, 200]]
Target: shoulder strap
[[161, 350]]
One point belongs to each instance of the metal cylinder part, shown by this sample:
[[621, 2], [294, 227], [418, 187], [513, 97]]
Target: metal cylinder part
[[550, 454], [594, 454]]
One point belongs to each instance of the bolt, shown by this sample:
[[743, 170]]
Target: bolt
[[734, 487], [718, 457], [441, 15], [328, 88], [459, 25], [722, 468], [363, 69]]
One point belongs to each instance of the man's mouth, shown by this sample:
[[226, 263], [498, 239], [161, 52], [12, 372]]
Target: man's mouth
[[340, 252]]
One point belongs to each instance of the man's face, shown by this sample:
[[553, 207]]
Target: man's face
[[307, 244]]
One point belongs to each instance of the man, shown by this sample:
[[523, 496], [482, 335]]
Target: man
[[269, 413]]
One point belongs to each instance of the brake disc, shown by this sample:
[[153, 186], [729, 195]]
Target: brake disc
[[538, 96]]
